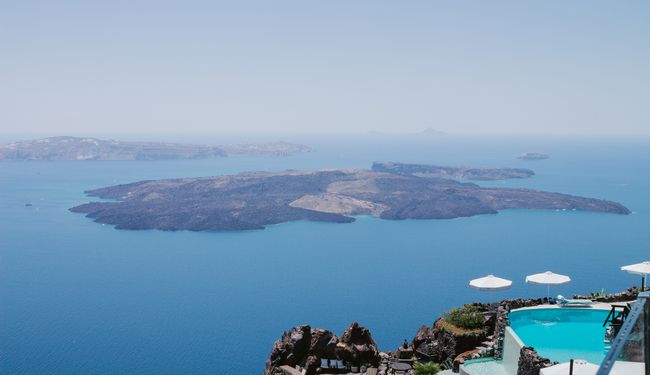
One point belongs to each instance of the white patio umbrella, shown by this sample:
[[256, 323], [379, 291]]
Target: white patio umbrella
[[490, 283], [642, 269], [580, 367], [547, 278]]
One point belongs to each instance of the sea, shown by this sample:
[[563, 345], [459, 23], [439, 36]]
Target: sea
[[78, 297]]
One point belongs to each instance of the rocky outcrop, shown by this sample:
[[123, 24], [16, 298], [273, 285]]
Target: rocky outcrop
[[625, 296], [323, 343], [530, 362], [356, 346], [292, 349], [443, 341], [464, 340], [305, 347], [433, 344], [404, 351]]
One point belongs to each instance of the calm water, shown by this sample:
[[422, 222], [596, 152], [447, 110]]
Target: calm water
[[80, 297], [563, 334]]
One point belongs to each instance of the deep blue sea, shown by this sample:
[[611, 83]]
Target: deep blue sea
[[77, 297]]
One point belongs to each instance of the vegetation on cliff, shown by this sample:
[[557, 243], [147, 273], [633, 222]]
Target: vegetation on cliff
[[468, 317]]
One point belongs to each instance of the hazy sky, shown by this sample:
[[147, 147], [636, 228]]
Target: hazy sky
[[87, 67]]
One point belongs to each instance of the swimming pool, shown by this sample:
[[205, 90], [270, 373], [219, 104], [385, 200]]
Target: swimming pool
[[484, 366], [562, 334]]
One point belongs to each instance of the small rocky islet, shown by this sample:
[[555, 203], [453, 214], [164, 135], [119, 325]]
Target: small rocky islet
[[304, 349], [391, 191]]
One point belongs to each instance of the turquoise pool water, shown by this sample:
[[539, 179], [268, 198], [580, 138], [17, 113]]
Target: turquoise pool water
[[562, 334], [484, 367]]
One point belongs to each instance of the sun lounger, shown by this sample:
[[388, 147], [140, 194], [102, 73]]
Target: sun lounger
[[333, 364], [324, 363], [573, 302]]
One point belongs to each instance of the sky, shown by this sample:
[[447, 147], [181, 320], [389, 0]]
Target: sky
[[337, 66]]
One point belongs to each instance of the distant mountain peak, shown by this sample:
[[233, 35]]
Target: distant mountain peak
[[432, 131]]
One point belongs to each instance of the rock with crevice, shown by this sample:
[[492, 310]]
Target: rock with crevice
[[466, 340], [323, 343], [305, 347], [357, 346], [433, 344], [291, 349], [530, 362]]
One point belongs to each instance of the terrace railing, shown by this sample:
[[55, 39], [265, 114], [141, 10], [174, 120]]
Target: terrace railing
[[630, 351]]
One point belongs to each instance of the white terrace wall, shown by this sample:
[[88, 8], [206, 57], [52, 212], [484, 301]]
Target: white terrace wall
[[511, 348]]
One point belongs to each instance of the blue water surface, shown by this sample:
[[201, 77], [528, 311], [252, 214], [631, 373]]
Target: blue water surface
[[563, 334], [77, 297]]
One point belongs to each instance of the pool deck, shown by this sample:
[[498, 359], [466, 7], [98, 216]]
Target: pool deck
[[594, 306], [628, 368], [621, 368]]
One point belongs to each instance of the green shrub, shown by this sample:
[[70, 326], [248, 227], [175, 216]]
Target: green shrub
[[428, 368], [597, 295], [468, 317]]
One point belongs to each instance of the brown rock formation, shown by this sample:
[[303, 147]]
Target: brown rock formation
[[305, 347], [291, 349], [433, 344], [357, 346], [530, 362]]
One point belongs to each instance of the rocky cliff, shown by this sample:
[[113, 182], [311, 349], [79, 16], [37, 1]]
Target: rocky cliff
[[305, 347]]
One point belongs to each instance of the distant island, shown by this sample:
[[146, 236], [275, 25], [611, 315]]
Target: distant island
[[454, 173], [253, 200], [78, 148], [533, 156]]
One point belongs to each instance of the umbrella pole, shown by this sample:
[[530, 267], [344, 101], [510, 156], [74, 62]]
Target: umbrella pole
[[548, 294], [642, 283], [492, 304]]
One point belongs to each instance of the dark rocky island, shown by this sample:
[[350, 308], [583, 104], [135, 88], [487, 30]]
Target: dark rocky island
[[533, 156], [254, 200], [75, 148]]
